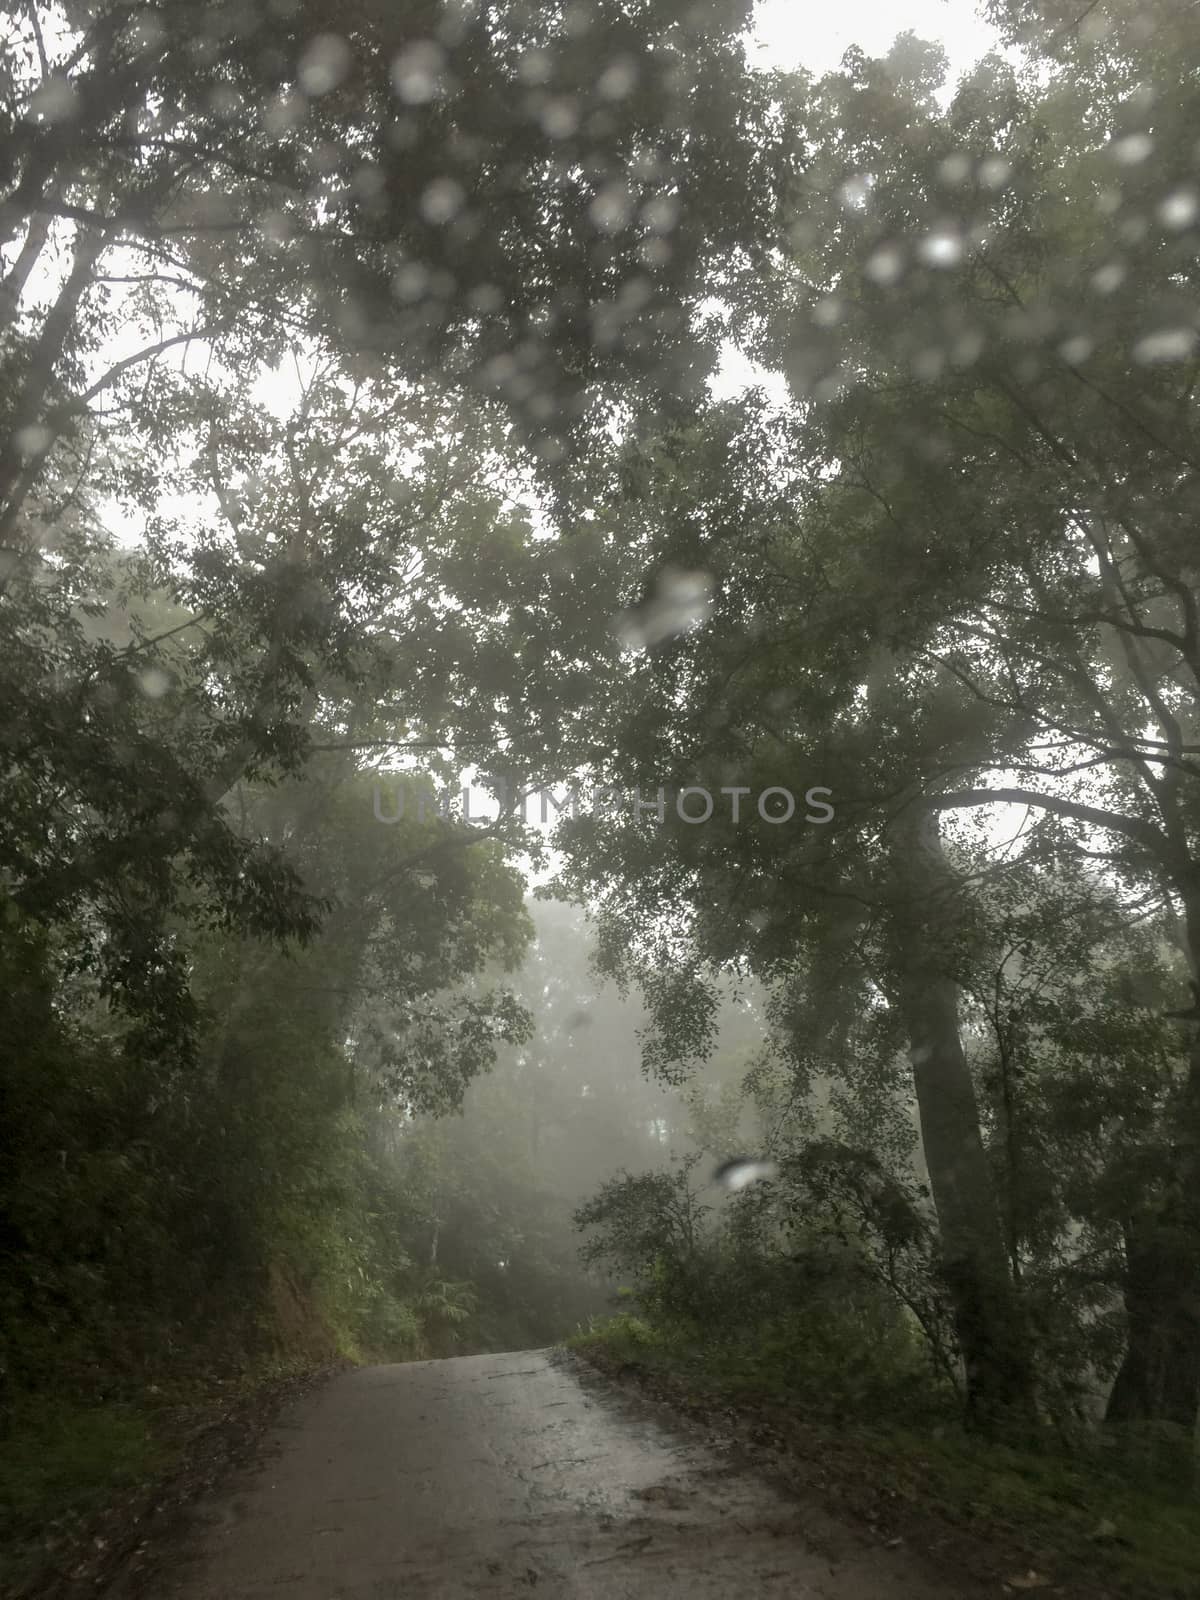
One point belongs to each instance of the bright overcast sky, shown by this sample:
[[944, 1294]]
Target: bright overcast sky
[[795, 33], [798, 33]]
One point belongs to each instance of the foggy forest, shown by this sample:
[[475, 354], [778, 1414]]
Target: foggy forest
[[600, 787]]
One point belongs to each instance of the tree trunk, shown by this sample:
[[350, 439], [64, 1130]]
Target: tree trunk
[[988, 1314], [1159, 1377]]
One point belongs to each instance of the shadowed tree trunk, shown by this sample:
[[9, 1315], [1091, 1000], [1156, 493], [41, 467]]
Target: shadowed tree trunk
[[987, 1310]]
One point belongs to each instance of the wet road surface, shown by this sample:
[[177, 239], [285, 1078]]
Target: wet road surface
[[508, 1475]]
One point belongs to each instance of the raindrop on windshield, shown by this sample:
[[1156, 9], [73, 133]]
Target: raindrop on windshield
[[416, 72], [741, 1171], [680, 601], [324, 64]]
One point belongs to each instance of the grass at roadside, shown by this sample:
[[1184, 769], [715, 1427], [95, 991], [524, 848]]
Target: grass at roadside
[[1081, 1523], [80, 1482], [59, 1463]]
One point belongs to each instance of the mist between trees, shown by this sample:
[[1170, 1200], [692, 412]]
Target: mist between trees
[[355, 412]]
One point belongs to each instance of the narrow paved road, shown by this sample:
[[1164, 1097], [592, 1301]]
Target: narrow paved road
[[504, 1475]]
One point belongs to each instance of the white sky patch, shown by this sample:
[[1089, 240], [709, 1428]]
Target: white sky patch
[[789, 34]]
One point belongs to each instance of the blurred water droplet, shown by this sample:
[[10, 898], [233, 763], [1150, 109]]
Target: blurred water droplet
[[886, 265], [612, 208], [32, 441], [929, 363], [442, 200], [499, 370], [1167, 344], [559, 118], [941, 249], [661, 214], [154, 683], [550, 447], [1094, 26], [617, 80], [741, 1171], [577, 1020], [994, 172], [680, 601], [1179, 209], [828, 312], [324, 64], [369, 182], [856, 191], [147, 30], [1077, 350], [283, 113], [55, 100], [485, 298], [535, 66], [225, 101], [1108, 278], [416, 72], [955, 169], [1131, 149], [410, 281]]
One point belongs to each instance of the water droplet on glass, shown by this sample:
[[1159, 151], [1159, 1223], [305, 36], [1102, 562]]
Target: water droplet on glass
[[535, 66], [410, 281], [886, 265], [680, 601], [416, 72], [941, 249], [617, 80], [1108, 278], [741, 1171], [559, 118], [1131, 149], [955, 169], [34, 440], [442, 200], [662, 213], [1179, 209], [929, 363], [153, 683], [994, 172], [1075, 351], [828, 312], [855, 192], [283, 113], [324, 64], [1167, 344], [146, 30], [55, 100], [485, 298], [611, 209], [225, 101]]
